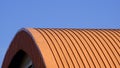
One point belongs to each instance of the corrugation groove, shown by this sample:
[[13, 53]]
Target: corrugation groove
[[62, 48], [86, 63], [106, 48], [69, 50], [112, 56], [59, 47], [98, 49], [89, 59], [102, 47], [53, 43], [116, 39], [80, 61], [73, 50], [72, 41], [90, 48], [67, 38], [93, 41], [93, 48], [118, 34], [115, 52], [48, 45]]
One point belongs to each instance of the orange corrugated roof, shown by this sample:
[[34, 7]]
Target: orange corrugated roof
[[68, 48]]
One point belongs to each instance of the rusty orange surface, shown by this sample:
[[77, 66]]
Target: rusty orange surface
[[67, 48]]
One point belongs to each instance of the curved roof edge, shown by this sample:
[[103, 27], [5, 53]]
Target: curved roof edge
[[24, 40]]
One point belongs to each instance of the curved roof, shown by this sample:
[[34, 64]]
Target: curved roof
[[67, 48]]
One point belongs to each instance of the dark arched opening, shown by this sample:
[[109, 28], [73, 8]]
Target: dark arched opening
[[21, 60]]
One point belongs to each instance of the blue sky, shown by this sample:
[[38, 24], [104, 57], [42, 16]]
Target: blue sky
[[17, 14]]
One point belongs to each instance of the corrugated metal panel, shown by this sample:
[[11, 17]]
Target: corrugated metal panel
[[74, 48]]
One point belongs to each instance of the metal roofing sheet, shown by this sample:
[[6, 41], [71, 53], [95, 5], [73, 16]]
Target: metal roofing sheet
[[68, 48]]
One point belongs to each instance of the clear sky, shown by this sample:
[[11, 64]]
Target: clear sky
[[17, 14]]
